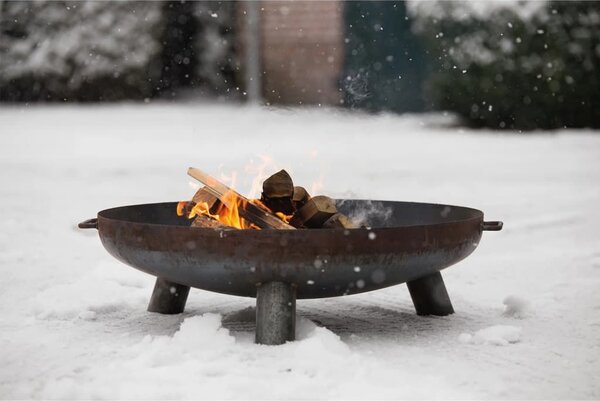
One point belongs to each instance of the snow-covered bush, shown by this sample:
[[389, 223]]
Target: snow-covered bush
[[516, 65], [91, 50], [106, 50]]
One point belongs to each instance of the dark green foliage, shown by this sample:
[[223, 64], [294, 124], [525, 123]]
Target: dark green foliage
[[68, 50], [511, 72], [179, 59], [112, 50], [385, 65], [197, 48]]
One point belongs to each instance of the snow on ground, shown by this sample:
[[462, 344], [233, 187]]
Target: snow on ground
[[495, 335], [73, 322]]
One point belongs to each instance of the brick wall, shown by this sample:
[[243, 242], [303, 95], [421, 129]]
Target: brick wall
[[302, 45]]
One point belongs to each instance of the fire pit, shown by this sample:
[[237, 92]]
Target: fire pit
[[409, 243]]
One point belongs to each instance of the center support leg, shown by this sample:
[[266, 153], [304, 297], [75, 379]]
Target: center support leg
[[429, 295], [275, 313], [168, 298]]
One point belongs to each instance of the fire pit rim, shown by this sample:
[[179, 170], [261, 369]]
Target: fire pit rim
[[476, 215]]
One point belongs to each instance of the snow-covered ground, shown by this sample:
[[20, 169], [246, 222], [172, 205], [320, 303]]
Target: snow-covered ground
[[73, 322]]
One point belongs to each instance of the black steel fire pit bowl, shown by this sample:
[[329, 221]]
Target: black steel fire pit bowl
[[405, 243]]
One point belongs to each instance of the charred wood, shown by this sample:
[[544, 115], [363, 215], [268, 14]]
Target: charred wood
[[203, 195], [277, 193], [339, 220], [314, 213], [279, 185], [207, 222], [300, 197]]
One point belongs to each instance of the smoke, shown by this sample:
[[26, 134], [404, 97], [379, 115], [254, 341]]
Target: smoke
[[370, 213]]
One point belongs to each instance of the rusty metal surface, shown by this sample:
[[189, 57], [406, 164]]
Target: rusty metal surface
[[406, 241]]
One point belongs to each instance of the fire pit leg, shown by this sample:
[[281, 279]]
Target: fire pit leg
[[429, 295], [168, 298], [275, 313]]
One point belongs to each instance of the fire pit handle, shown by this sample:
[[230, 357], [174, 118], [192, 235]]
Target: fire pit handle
[[89, 223], [492, 225]]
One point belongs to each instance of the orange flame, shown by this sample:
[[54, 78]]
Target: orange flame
[[195, 210], [261, 205], [181, 207], [202, 208], [231, 216], [284, 217], [225, 215]]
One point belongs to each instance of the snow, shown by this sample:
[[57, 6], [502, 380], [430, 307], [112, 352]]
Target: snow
[[73, 320], [483, 9], [494, 335], [516, 307]]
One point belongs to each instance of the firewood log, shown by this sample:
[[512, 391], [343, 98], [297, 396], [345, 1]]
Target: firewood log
[[277, 193], [212, 202], [279, 185], [314, 213], [207, 222], [203, 195], [252, 213], [300, 197], [339, 220]]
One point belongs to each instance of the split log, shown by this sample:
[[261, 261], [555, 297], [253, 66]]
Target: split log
[[231, 198], [207, 222], [204, 195], [279, 185], [300, 197], [314, 213], [339, 220], [213, 203], [184, 209], [277, 193]]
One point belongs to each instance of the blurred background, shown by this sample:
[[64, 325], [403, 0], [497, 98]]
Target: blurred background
[[488, 104], [498, 64]]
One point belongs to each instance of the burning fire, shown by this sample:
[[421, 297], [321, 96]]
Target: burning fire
[[228, 212], [282, 205], [282, 216], [198, 208], [225, 215]]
